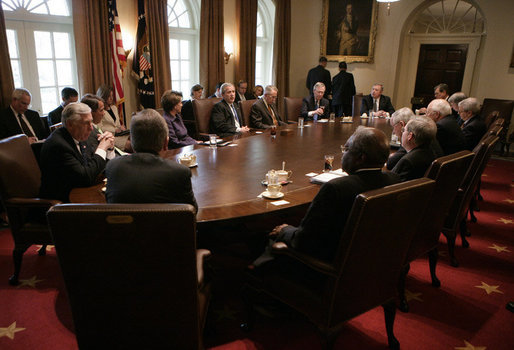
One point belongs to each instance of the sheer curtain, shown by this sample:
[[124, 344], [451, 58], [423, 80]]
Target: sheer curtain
[[6, 78], [212, 63], [91, 31], [282, 50], [158, 35], [246, 40]]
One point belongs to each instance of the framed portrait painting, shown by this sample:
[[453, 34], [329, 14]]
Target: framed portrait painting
[[348, 30]]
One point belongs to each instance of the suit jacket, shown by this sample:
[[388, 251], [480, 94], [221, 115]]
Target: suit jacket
[[319, 74], [187, 110], [54, 116], [260, 117], [248, 96], [109, 124], [473, 130], [450, 136], [343, 88], [147, 178], [63, 166], [396, 156], [9, 125], [320, 230], [308, 104], [384, 104], [222, 120], [414, 164]]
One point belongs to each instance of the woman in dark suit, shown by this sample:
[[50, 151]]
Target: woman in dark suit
[[171, 102]]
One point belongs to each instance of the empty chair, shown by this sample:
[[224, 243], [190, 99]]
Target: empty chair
[[133, 275], [202, 110], [293, 107], [365, 271], [20, 179], [504, 110], [245, 107], [456, 219], [356, 105], [448, 173]]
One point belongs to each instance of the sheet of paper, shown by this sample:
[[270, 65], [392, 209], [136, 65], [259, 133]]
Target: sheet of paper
[[281, 202], [311, 174]]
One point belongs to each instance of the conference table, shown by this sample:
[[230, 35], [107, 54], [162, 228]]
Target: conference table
[[228, 180]]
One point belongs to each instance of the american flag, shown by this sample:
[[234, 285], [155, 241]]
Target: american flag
[[119, 60]]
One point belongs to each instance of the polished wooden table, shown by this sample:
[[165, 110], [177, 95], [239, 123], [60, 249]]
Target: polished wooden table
[[227, 180]]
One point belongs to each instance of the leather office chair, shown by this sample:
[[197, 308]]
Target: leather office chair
[[365, 271], [245, 107], [202, 110], [20, 179], [448, 173], [456, 219], [133, 274], [356, 105], [504, 109], [44, 120], [293, 108]]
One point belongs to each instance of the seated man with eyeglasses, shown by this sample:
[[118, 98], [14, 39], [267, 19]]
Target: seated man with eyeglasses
[[417, 136]]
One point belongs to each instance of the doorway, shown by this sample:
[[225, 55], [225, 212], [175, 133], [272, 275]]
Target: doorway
[[438, 64]]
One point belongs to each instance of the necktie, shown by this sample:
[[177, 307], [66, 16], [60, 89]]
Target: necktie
[[83, 150], [375, 105], [236, 115], [24, 127], [315, 116], [275, 122]]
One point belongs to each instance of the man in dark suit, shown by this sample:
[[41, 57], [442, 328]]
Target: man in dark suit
[[472, 126], [67, 159], [449, 135], [320, 230], [68, 96], [319, 74], [263, 114], [343, 89], [226, 118], [217, 93], [417, 136], [187, 109], [376, 102], [315, 106], [19, 119], [454, 101], [144, 176], [242, 93]]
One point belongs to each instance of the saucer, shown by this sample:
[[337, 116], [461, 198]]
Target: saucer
[[265, 183], [268, 195], [192, 165]]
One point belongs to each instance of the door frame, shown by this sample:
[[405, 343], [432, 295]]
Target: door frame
[[410, 59]]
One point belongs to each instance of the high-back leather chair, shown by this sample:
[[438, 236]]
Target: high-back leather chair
[[245, 107], [365, 271], [133, 275], [20, 179], [202, 110], [293, 108], [504, 110], [456, 219], [448, 173], [356, 105]]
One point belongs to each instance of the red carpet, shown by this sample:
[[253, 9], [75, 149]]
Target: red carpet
[[459, 315]]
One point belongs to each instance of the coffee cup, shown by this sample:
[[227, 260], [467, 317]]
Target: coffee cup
[[187, 159], [283, 175]]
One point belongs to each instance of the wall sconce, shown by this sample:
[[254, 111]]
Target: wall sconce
[[128, 42], [229, 49], [388, 5]]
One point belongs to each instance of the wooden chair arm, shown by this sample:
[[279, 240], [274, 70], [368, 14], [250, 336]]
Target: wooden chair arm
[[280, 248], [201, 256]]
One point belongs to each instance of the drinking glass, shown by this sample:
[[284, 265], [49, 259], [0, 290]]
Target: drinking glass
[[212, 140], [329, 159], [300, 122], [332, 118]]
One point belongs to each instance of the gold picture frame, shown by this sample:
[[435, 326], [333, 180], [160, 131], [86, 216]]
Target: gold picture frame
[[349, 36]]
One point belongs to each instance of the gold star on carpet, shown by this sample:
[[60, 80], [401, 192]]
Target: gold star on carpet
[[484, 174], [489, 289], [505, 221], [31, 282], [227, 313], [9, 331], [510, 201], [412, 296], [499, 249], [470, 347], [49, 248]]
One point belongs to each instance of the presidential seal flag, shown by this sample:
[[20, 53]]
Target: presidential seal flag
[[142, 65]]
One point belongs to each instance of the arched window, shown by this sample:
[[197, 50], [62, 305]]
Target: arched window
[[264, 49], [183, 24], [449, 17], [42, 49]]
